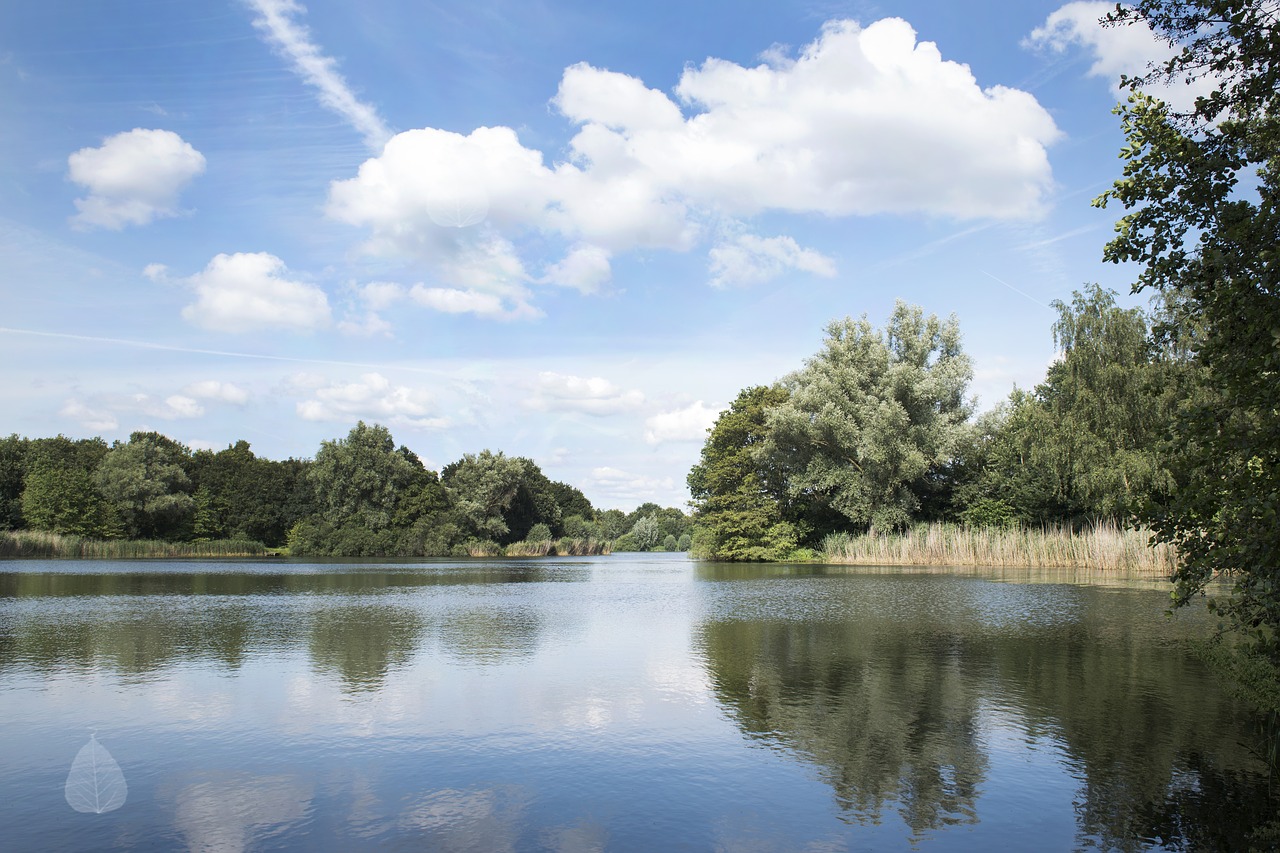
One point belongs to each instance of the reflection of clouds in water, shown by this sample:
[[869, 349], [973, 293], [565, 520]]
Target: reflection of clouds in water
[[487, 819], [580, 838], [229, 812], [749, 836], [679, 681]]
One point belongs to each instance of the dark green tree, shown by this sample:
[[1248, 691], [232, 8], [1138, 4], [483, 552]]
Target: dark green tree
[[738, 501], [13, 470], [1201, 193]]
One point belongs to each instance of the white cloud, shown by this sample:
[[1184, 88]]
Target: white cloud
[[863, 121], [375, 398], [174, 407], [367, 326], [95, 419], [754, 260], [557, 392], [275, 19], [156, 272], [249, 291], [625, 487], [449, 300], [380, 295], [133, 178], [688, 424], [586, 268], [212, 389], [1124, 50]]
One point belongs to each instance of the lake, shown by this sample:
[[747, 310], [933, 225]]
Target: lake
[[632, 702]]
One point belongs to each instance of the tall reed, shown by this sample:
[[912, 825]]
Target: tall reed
[[39, 543], [1103, 546]]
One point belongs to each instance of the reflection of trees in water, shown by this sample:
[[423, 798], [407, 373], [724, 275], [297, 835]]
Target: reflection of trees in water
[[487, 635], [134, 641], [889, 707], [890, 719], [1161, 750], [362, 643]]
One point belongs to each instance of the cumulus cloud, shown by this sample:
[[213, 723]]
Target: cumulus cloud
[[754, 260], [132, 178], [557, 392], [688, 424], [212, 389], [171, 408], [862, 121], [586, 269], [276, 20], [89, 418], [1116, 51], [250, 291], [373, 397]]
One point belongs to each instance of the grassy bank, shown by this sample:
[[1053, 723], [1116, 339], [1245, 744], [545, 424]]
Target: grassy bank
[[34, 543], [1103, 547]]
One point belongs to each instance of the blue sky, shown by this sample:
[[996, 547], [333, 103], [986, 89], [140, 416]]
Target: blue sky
[[569, 231]]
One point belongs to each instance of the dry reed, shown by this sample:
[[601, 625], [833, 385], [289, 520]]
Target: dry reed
[[1103, 546], [39, 543]]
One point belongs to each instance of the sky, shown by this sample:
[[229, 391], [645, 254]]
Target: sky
[[571, 231]]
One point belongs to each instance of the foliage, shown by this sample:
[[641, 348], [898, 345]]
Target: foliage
[[872, 418], [61, 498], [359, 480], [646, 533], [539, 533], [240, 494], [684, 542], [670, 543], [737, 500], [1201, 193], [1086, 444], [146, 482], [13, 466]]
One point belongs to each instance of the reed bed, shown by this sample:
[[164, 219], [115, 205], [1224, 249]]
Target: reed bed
[[558, 548], [38, 543], [1100, 547]]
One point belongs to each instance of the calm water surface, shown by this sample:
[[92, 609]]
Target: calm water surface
[[633, 702]]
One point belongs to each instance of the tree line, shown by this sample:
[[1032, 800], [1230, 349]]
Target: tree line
[[876, 432], [361, 495]]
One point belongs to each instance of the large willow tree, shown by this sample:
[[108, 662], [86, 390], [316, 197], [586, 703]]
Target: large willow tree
[[872, 421]]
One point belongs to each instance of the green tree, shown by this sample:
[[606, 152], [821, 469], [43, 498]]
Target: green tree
[[361, 479], [146, 482], [738, 501], [873, 419], [646, 533], [13, 470], [572, 501], [1201, 191], [62, 498]]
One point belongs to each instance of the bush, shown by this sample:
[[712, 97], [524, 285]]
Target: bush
[[538, 533]]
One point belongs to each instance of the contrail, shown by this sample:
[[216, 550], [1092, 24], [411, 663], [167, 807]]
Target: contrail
[[223, 353], [1015, 290], [276, 21]]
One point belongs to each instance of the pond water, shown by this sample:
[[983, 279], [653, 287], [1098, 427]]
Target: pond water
[[633, 702]]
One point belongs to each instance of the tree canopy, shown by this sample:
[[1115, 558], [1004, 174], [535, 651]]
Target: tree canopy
[[1201, 193]]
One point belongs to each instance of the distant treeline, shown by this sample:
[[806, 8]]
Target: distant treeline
[[361, 496], [875, 434]]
